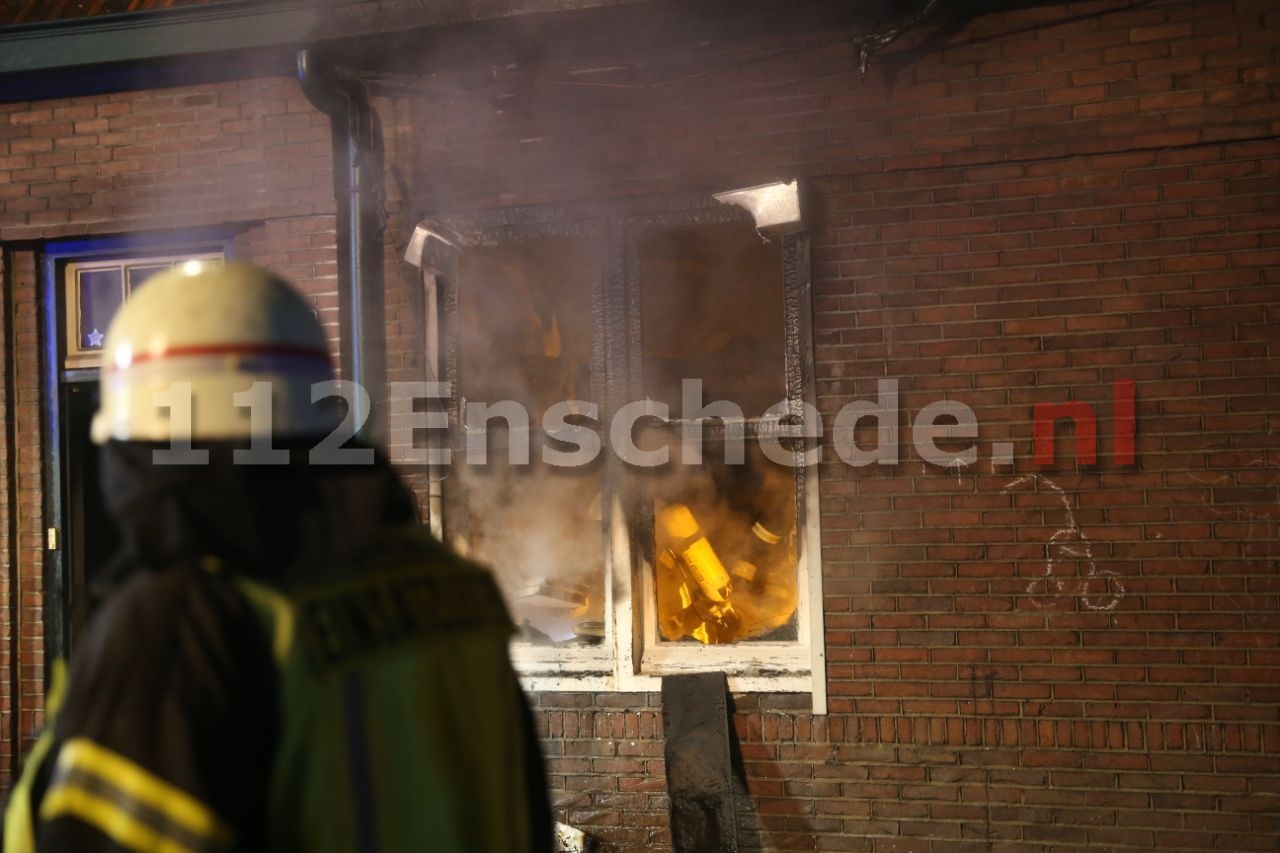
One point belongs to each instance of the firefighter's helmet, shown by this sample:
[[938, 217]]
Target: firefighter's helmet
[[181, 358]]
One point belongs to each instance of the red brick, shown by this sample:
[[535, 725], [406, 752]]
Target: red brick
[[1080, 231]]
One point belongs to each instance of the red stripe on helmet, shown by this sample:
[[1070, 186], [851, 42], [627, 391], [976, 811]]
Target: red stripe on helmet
[[196, 350]]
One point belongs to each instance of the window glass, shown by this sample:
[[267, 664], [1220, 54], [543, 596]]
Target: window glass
[[140, 273], [712, 309], [101, 293], [524, 316], [96, 288]]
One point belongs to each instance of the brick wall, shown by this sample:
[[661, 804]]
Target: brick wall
[[8, 558], [1024, 211], [25, 522]]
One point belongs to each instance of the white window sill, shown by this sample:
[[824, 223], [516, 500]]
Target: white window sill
[[748, 668]]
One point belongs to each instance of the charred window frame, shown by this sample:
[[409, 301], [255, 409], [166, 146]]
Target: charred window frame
[[632, 655]]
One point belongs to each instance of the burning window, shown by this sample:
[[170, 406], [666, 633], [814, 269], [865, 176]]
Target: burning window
[[724, 557], [524, 336], [619, 573], [724, 549]]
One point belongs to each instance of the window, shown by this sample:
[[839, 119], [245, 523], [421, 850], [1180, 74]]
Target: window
[[620, 572], [95, 289]]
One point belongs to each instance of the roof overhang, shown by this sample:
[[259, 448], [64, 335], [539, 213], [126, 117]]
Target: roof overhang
[[232, 39]]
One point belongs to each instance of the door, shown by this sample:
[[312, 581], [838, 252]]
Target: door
[[91, 536]]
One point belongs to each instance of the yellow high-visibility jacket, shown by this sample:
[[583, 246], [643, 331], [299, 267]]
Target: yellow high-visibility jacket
[[373, 711]]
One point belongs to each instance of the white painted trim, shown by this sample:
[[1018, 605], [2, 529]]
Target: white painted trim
[[811, 596], [653, 684], [536, 660]]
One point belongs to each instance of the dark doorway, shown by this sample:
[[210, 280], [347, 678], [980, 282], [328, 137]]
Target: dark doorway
[[91, 536]]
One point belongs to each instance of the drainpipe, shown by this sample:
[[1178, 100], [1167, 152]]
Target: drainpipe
[[357, 186]]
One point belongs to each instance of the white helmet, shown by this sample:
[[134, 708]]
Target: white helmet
[[220, 328]]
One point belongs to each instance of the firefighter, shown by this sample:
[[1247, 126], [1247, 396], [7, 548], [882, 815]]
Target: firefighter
[[282, 660]]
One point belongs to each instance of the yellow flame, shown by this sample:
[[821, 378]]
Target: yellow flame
[[551, 341]]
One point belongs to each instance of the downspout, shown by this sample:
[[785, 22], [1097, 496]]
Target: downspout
[[357, 186]]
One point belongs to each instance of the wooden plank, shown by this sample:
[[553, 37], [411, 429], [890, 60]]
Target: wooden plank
[[695, 718]]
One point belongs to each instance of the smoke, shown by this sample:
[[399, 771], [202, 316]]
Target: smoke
[[525, 335], [711, 309], [525, 323], [540, 531]]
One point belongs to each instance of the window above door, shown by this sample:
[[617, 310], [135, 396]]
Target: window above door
[[95, 289]]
